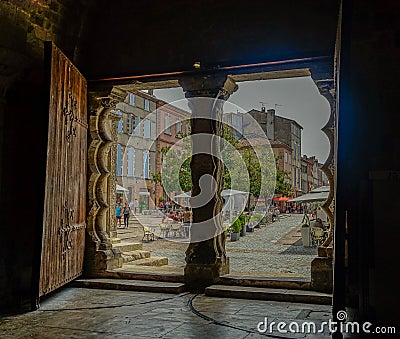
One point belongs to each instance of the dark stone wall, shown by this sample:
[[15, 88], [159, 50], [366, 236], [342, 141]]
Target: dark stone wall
[[22, 190], [369, 142], [24, 25]]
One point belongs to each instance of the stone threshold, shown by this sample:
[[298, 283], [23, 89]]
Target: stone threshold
[[167, 273], [295, 283], [130, 285], [270, 294]]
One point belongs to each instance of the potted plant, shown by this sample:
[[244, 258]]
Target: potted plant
[[236, 227], [242, 219]]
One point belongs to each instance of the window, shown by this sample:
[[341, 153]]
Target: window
[[178, 128], [131, 99], [147, 129], [167, 123], [119, 160], [304, 187], [294, 175], [131, 162], [146, 164], [120, 126], [146, 105], [131, 123], [137, 125], [188, 127], [298, 177], [286, 157], [295, 150]]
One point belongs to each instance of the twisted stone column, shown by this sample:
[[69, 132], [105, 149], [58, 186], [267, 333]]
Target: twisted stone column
[[101, 188], [206, 258], [322, 266]]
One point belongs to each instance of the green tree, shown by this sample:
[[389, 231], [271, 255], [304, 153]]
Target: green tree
[[260, 166], [282, 186]]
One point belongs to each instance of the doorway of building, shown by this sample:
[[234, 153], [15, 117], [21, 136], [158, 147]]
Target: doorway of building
[[275, 246]]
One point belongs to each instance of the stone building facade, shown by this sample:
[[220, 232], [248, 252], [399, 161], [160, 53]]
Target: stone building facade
[[284, 154], [172, 124], [136, 149], [311, 174], [286, 131]]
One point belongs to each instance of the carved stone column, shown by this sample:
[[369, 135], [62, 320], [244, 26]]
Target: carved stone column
[[206, 258], [322, 266], [100, 256]]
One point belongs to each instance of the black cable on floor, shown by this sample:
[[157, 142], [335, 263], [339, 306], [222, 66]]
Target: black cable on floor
[[221, 323], [116, 306]]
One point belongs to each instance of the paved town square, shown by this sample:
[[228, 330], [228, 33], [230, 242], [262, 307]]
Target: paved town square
[[272, 250]]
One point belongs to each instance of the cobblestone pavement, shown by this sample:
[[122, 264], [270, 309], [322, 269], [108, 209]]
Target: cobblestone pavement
[[273, 250]]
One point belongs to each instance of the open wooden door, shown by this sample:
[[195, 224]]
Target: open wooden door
[[64, 217]]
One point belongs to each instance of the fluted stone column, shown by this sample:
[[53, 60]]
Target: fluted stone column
[[206, 258]]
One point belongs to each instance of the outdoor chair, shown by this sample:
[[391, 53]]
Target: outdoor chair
[[148, 234], [164, 228], [176, 228]]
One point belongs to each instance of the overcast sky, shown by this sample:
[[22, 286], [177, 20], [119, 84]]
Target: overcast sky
[[296, 98]]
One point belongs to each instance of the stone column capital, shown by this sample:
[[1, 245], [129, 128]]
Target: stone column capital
[[212, 86]]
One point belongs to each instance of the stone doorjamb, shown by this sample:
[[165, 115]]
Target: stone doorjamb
[[99, 255], [322, 265]]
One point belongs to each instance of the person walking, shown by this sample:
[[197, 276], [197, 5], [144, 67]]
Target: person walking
[[118, 211], [135, 206], [127, 212]]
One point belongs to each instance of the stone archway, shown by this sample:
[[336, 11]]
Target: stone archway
[[211, 260]]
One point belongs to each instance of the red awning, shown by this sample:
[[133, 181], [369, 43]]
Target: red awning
[[281, 199]]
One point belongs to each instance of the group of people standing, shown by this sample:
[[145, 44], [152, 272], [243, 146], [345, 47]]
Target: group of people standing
[[125, 212]]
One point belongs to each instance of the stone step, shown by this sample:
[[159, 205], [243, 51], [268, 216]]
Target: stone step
[[268, 282], [271, 294], [152, 261], [134, 221], [130, 285], [127, 246], [169, 273], [115, 240], [135, 255]]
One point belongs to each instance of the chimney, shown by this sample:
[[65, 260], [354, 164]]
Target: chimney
[[263, 109]]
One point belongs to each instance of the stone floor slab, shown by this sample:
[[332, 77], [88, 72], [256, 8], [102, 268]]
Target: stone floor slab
[[87, 313]]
